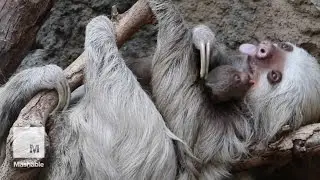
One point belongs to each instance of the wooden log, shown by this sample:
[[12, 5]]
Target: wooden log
[[20, 21]]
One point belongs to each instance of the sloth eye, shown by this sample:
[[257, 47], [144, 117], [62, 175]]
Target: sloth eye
[[274, 77], [237, 78], [286, 47]]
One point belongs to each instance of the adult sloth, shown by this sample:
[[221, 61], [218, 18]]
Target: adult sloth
[[286, 92]]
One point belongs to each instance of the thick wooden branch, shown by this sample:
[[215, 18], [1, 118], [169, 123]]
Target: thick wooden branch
[[296, 145], [36, 112], [19, 23]]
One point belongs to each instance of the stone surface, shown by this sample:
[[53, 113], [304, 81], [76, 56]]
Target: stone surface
[[61, 38]]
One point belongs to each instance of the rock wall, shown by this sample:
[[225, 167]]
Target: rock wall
[[238, 21], [61, 38]]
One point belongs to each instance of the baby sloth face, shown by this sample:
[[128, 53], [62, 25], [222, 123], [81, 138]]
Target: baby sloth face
[[227, 83]]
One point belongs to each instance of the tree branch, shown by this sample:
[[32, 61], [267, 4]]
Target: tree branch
[[36, 112], [19, 24], [297, 144]]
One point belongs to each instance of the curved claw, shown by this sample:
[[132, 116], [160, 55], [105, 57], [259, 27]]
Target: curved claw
[[203, 38], [207, 60], [204, 60], [64, 94]]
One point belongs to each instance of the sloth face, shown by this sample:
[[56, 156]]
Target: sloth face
[[267, 59], [286, 89]]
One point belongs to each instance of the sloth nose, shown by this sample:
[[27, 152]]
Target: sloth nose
[[265, 49], [250, 79], [246, 79], [251, 82]]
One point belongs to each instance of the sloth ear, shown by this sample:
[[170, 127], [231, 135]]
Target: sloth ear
[[248, 49]]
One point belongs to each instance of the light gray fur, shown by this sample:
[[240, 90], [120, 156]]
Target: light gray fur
[[19, 90], [219, 135], [294, 102], [115, 131], [141, 68]]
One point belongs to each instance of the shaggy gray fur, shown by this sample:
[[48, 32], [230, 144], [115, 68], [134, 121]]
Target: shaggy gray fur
[[219, 135], [19, 90], [115, 131]]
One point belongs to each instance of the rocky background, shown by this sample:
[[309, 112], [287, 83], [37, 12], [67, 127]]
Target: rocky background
[[61, 38]]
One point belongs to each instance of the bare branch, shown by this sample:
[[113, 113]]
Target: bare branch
[[19, 24], [297, 144]]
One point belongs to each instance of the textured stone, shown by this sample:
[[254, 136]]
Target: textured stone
[[61, 38]]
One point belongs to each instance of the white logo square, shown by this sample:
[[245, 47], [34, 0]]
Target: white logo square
[[28, 142]]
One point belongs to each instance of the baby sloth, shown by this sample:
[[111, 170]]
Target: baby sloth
[[225, 83]]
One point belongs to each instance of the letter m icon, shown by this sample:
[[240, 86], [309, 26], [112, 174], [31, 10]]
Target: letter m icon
[[34, 148]]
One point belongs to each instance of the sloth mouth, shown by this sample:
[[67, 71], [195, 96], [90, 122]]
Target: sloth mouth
[[251, 51], [252, 69], [251, 65]]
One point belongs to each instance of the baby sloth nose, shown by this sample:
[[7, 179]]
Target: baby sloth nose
[[265, 49], [246, 79]]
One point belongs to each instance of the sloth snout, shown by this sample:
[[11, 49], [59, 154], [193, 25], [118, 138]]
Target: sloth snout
[[265, 49]]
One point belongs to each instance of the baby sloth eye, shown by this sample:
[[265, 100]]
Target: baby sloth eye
[[274, 77], [237, 78], [286, 47]]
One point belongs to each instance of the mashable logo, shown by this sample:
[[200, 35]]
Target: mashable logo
[[28, 142]]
